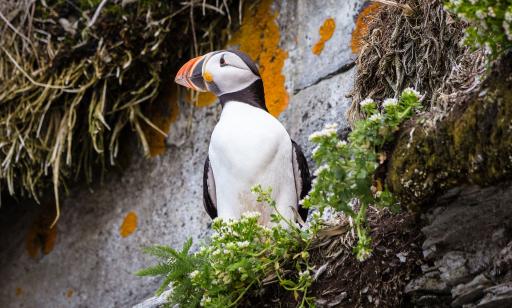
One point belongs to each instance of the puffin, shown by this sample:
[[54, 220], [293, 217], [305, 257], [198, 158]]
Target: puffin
[[248, 145]]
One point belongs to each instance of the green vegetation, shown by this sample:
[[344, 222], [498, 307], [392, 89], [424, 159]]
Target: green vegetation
[[345, 179], [472, 145], [241, 255], [490, 23]]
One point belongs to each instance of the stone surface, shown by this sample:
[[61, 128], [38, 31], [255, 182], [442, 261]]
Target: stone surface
[[467, 293], [91, 265], [468, 239], [301, 27]]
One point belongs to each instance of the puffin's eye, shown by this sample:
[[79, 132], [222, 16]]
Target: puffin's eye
[[222, 61]]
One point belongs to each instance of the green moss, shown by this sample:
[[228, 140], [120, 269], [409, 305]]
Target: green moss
[[471, 146]]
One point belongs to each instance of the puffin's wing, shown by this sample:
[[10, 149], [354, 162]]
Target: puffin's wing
[[302, 176], [209, 195]]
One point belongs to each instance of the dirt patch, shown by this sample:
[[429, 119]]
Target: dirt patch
[[345, 282]]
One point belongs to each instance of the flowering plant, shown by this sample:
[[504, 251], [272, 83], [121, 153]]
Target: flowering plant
[[490, 23], [241, 254], [345, 179]]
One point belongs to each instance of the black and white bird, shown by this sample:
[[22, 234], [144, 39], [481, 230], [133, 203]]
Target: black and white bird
[[248, 146]]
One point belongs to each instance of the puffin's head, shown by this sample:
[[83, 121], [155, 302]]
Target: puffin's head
[[221, 72]]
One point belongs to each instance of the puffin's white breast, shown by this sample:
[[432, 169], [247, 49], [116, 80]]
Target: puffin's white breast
[[249, 147]]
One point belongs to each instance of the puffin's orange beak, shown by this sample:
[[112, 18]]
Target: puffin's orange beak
[[190, 75]]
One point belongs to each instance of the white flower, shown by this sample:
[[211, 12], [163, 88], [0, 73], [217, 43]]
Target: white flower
[[301, 202], [375, 117], [480, 14], [243, 244], [411, 91], [506, 25], [508, 16], [390, 102], [251, 215], [321, 169], [341, 144], [491, 12], [217, 220], [366, 102], [316, 149], [193, 274], [329, 130], [205, 300]]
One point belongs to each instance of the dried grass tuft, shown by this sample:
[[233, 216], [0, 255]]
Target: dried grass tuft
[[414, 43], [75, 74]]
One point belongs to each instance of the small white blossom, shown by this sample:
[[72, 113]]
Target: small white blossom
[[390, 102], [243, 244], [251, 215], [193, 274], [328, 131], [480, 14], [205, 300], [491, 12], [409, 91], [321, 169], [375, 117], [508, 16], [366, 102], [341, 144], [301, 202], [315, 150]]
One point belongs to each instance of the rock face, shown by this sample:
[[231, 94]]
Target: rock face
[[467, 250], [92, 263]]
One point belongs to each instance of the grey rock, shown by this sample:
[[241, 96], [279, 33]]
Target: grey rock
[[468, 239], [453, 267], [303, 19], [428, 283], [312, 108], [467, 293], [497, 297]]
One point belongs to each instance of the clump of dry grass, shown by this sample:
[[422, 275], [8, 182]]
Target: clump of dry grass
[[75, 74], [414, 43]]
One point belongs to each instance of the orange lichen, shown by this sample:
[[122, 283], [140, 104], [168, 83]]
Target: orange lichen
[[69, 293], [326, 31], [205, 99], [162, 113], [259, 37], [19, 291], [129, 224], [361, 27], [40, 237]]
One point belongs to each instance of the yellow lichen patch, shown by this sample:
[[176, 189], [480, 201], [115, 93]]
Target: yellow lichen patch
[[361, 27], [19, 291], [162, 113], [259, 37], [69, 293], [129, 224], [207, 76], [40, 237], [326, 31], [205, 99]]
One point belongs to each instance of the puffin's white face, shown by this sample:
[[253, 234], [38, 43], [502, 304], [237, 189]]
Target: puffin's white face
[[226, 72], [219, 72]]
